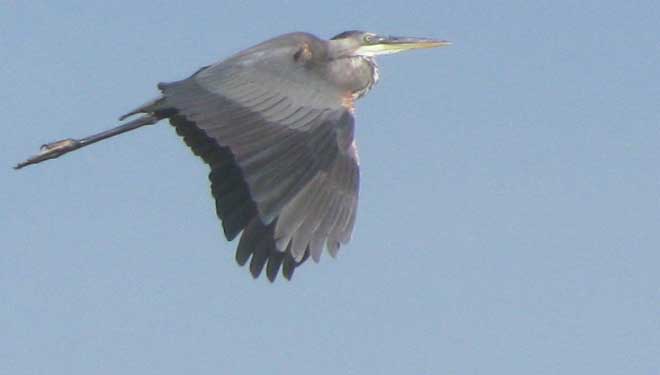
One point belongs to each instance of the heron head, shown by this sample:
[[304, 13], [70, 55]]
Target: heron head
[[362, 43]]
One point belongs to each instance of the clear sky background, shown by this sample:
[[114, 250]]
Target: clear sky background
[[509, 218]]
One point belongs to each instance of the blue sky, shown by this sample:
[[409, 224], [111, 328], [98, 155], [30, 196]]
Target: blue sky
[[509, 210]]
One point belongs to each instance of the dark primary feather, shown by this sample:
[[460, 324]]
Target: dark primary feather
[[279, 143]]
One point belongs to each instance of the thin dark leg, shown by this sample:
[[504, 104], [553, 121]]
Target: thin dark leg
[[56, 149]]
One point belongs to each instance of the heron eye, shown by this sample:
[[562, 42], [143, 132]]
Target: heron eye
[[368, 38]]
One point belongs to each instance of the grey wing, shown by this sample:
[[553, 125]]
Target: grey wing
[[279, 142]]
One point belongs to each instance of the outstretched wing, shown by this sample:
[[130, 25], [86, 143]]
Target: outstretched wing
[[279, 140]]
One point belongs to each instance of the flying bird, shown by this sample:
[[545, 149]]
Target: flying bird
[[275, 125]]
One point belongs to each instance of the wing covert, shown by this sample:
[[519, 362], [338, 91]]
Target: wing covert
[[280, 146]]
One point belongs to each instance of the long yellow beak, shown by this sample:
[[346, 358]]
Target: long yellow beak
[[395, 44]]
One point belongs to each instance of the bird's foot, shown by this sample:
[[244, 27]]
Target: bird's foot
[[51, 151]]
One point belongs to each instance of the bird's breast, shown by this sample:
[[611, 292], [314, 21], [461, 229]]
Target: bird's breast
[[355, 75]]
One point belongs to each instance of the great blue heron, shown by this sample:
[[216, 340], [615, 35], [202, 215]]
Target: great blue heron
[[275, 125]]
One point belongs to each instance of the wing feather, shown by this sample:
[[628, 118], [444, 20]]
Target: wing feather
[[280, 146]]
